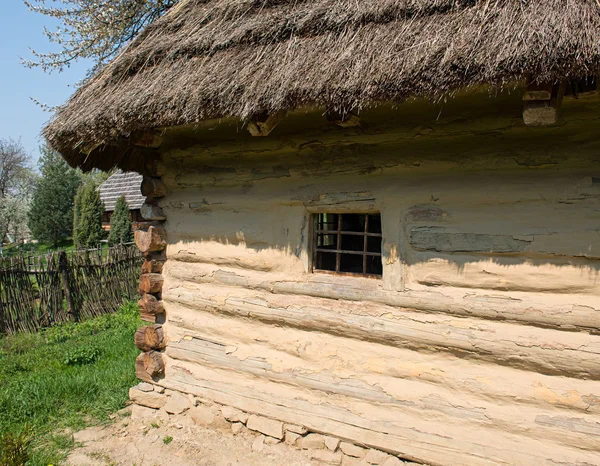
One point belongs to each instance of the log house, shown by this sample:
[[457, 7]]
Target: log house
[[379, 220]]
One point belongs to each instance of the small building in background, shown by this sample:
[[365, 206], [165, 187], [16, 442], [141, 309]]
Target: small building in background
[[122, 184]]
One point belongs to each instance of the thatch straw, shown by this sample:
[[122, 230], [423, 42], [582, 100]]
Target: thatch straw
[[214, 58]]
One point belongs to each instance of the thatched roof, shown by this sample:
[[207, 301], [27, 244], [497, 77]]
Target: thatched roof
[[122, 184], [215, 58]]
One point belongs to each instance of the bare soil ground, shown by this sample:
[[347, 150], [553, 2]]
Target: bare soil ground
[[150, 437]]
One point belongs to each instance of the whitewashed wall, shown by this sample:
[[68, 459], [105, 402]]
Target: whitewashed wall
[[479, 345]]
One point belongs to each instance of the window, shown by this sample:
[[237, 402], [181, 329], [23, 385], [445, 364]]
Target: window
[[348, 243]]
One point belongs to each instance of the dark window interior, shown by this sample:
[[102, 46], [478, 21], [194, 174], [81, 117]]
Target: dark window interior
[[348, 243]]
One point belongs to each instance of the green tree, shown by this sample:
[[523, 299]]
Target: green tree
[[120, 224], [87, 224], [50, 217]]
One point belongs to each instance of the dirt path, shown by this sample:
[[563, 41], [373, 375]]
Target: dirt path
[[149, 437]]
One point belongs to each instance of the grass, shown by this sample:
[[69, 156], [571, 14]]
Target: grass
[[36, 249], [63, 379]]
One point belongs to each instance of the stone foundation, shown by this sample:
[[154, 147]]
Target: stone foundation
[[323, 448]]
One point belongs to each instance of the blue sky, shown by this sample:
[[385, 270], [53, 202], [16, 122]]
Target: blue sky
[[20, 117]]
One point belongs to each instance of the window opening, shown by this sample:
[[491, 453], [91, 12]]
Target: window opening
[[348, 243]]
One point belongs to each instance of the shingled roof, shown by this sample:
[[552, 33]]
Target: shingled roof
[[122, 184], [223, 58]]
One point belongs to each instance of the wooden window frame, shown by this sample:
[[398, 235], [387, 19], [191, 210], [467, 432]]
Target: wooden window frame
[[338, 252]]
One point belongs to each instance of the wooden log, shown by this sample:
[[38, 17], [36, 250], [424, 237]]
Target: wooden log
[[153, 166], [569, 316], [150, 337], [430, 399], [153, 188], [538, 92], [150, 367], [262, 125], [149, 305], [347, 120], [151, 283], [152, 212], [434, 439], [530, 348], [379, 372], [152, 266], [149, 139], [151, 240], [543, 112]]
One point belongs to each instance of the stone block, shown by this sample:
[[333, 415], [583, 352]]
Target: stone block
[[376, 457], [234, 415], [139, 412], [291, 437], [237, 428], [393, 461], [331, 443], [202, 415], [144, 387], [266, 426], [327, 456], [352, 450], [296, 428], [272, 441], [177, 404], [148, 399], [312, 442], [259, 444]]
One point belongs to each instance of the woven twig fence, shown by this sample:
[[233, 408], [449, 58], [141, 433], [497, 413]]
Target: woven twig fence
[[40, 291]]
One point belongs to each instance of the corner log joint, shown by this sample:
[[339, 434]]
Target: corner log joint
[[152, 240], [343, 120], [153, 187], [262, 125], [150, 338], [150, 366], [150, 308], [152, 212], [542, 104]]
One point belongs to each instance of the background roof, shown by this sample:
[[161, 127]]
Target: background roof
[[122, 184]]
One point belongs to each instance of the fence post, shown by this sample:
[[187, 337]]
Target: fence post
[[64, 277]]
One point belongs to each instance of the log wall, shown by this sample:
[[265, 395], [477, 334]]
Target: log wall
[[479, 345]]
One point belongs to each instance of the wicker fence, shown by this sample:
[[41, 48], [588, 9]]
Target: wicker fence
[[41, 291]]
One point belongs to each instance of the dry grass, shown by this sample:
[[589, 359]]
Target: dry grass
[[214, 58]]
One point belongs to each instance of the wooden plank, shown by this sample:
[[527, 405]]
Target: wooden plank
[[438, 239]]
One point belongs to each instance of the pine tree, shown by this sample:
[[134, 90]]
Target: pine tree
[[50, 218], [120, 224], [87, 228]]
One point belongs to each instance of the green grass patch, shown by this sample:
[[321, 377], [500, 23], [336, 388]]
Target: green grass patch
[[36, 249], [63, 379]]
